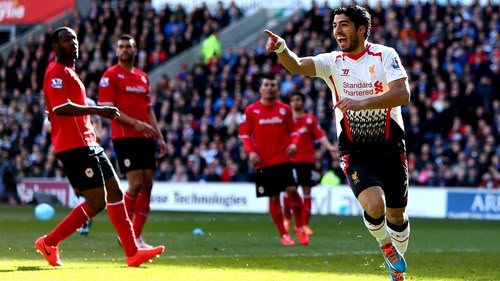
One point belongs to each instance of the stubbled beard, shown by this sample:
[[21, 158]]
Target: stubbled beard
[[351, 47], [126, 59], [347, 49]]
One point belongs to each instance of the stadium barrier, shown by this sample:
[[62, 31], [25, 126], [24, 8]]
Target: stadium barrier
[[427, 202]]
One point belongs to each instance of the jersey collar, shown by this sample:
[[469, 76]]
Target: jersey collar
[[356, 57]]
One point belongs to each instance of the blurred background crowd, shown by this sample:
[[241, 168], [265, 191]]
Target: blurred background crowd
[[451, 54]]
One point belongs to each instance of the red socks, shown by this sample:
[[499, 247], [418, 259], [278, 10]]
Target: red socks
[[296, 206], [129, 200], [287, 212], [141, 212], [306, 209], [277, 214], [123, 226], [74, 220]]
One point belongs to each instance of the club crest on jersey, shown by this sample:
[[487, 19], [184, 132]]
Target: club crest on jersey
[[371, 69], [126, 162], [104, 82], [395, 63], [57, 83], [282, 111], [89, 172], [309, 121]]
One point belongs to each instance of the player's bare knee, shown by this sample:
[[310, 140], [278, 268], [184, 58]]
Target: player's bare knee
[[396, 218], [374, 208]]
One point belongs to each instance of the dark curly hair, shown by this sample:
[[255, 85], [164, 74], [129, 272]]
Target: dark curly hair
[[357, 14], [54, 37]]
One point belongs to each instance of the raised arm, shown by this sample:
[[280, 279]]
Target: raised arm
[[290, 60]]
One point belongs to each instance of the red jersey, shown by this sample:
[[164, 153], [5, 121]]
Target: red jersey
[[61, 86], [268, 131], [309, 132], [129, 92]]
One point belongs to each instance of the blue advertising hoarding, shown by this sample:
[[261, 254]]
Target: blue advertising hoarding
[[473, 205]]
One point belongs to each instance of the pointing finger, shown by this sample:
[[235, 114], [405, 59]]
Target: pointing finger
[[270, 34]]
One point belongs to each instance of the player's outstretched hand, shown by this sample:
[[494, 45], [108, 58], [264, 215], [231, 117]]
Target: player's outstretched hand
[[274, 42], [110, 112]]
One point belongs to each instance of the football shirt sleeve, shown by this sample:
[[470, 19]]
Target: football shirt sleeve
[[318, 133], [148, 86], [57, 90], [292, 127], [323, 63], [245, 131], [392, 66], [106, 89]]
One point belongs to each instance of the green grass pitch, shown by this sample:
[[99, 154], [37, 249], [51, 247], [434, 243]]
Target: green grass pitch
[[244, 247]]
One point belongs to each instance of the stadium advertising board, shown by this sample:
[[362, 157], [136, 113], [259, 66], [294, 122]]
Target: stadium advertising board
[[473, 205], [428, 202], [32, 12], [209, 197], [46, 191]]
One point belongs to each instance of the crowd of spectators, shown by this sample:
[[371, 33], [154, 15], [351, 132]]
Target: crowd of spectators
[[451, 54]]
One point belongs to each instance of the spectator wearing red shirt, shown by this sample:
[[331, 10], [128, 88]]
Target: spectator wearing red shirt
[[88, 168], [268, 135], [310, 132], [133, 132]]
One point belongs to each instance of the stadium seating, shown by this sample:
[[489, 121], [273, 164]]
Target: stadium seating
[[451, 54]]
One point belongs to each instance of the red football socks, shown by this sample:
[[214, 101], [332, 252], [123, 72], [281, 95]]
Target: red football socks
[[287, 211], [74, 220], [129, 200], [277, 214], [306, 209], [141, 212], [296, 205], [123, 226]]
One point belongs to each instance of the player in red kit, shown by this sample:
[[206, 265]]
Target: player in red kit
[[134, 132], [267, 131], [310, 133], [88, 169]]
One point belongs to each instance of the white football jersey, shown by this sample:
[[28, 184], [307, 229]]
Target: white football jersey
[[360, 77]]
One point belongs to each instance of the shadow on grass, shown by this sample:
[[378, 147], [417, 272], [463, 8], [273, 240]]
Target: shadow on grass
[[29, 268]]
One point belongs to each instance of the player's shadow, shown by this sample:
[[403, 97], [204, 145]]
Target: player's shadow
[[30, 268]]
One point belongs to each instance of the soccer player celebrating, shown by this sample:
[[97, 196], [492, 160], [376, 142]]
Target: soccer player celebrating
[[88, 168], [310, 133], [268, 134], [369, 85], [133, 132]]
